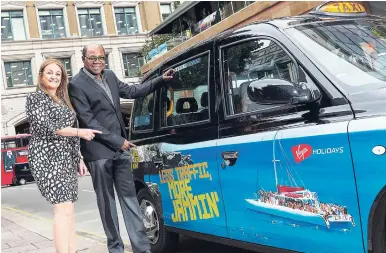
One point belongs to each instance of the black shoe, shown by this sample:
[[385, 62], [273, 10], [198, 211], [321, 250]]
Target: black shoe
[[147, 251]]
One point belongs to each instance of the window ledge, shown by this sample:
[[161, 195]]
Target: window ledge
[[20, 87], [64, 54], [50, 5], [89, 4], [17, 58], [10, 41], [118, 4]]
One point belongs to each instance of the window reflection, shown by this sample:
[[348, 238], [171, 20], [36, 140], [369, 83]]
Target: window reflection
[[132, 64], [12, 25], [90, 22], [107, 62], [52, 24], [126, 20], [67, 66], [250, 61], [166, 9], [238, 5], [352, 51], [18, 73]]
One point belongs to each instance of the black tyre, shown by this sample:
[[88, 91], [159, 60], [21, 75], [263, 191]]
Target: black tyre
[[379, 227], [160, 240], [14, 182]]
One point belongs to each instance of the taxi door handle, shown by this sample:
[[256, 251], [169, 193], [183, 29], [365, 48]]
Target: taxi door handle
[[230, 158]]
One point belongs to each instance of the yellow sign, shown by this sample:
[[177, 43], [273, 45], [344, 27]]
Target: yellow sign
[[188, 206], [136, 159], [342, 7]]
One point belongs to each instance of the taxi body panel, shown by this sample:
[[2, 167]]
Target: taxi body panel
[[369, 166]]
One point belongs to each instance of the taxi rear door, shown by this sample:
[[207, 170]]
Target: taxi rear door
[[186, 144]]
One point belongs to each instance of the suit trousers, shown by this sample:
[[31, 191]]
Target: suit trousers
[[116, 172]]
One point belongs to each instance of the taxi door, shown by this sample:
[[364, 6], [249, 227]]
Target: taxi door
[[287, 178], [185, 146]]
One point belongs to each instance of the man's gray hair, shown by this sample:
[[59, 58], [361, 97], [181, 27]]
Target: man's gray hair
[[85, 48]]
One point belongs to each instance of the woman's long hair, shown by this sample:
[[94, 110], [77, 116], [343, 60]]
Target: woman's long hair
[[62, 90]]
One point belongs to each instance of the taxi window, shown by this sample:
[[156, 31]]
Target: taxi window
[[352, 51], [187, 99], [143, 113], [249, 61]]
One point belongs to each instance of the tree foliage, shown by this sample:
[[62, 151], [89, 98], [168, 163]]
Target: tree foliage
[[158, 39], [176, 4], [153, 42]]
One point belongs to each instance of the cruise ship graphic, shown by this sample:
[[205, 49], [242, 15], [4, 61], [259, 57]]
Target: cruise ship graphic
[[298, 203]]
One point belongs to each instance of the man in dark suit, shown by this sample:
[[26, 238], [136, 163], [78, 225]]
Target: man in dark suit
[[95, 93]]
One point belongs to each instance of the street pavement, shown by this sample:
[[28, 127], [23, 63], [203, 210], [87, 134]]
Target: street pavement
[[22, 233], [27, 215]]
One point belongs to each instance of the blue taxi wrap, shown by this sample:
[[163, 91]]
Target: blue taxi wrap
[[307, 185]]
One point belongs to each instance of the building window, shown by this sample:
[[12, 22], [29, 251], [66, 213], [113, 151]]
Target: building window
[[52, 24], [90, 22], [12, 25], [67, 66], [126, 20], [107, 62], [166, 9], [132, 64], [18, 74]]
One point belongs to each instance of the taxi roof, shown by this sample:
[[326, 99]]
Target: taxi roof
[[328, 11], [286, 22]]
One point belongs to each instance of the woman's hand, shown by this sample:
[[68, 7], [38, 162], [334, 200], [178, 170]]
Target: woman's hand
[[87, 134], [82, 170]]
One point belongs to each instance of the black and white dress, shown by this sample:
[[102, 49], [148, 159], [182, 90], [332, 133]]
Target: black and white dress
[[53, 159]]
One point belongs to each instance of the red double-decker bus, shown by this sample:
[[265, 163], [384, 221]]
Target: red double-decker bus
[[14, 150]]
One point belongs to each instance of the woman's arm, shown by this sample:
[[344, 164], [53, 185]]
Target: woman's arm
[[37, 110], [84, 133], [68, 131]]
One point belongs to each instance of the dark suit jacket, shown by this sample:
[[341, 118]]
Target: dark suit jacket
[[95, 111]]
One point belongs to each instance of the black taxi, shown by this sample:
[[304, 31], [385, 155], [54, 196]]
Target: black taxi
[[270, 137]]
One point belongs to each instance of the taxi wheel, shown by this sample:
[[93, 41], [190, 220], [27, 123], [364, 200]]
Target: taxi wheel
[[160, 240], [379, 227], [21, 181]]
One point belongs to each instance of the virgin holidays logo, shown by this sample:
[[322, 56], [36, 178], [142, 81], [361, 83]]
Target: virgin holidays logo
[[303, 151]]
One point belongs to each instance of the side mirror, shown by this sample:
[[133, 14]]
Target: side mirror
[[277, 91]]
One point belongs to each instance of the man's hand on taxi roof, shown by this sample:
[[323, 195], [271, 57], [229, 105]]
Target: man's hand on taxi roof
[[168, 75]]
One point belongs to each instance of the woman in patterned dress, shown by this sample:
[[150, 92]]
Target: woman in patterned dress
[[54, 155]]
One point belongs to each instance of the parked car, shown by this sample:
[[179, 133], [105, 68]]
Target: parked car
[[22, 174]]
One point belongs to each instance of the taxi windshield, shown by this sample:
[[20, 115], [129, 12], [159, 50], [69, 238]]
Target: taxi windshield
[[353, 52]]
